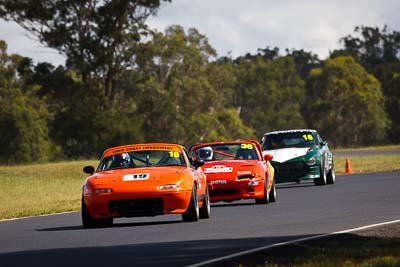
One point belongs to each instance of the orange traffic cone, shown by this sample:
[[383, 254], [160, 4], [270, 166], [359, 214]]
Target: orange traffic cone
[[348, 166]]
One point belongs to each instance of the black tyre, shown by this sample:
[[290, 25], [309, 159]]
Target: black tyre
[[192, 212], [265, 199], [331, 177], [322, 177], [205, 210], [90, 222], [272, 193]]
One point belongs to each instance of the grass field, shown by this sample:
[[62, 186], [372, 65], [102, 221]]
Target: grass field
[[37, 189], [360, 164], [41, 188], [350, 250]]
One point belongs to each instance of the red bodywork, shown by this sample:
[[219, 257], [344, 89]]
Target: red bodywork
[[230, 177]]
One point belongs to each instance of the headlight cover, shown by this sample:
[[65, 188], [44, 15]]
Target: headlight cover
[[98, 191], [311, 161], [169, 187]]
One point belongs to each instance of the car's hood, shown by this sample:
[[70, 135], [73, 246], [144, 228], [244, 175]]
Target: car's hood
[[285, 154]]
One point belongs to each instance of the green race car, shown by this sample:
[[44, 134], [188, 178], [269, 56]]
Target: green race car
[[299, 154]]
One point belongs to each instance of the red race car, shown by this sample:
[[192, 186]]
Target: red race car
[[236, 170], [144, 180]]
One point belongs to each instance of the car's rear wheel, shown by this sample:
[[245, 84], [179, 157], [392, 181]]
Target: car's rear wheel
[[272, 193], [90, 222], [192, 212], [265, 199], [322, 176], [205, 210], [331, 177]]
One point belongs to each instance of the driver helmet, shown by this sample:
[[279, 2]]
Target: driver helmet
[[205, 153], [121, 160]]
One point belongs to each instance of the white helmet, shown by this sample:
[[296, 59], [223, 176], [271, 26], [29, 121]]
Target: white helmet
[[205, 153]]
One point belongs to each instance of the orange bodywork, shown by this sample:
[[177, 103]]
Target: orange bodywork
[[145, 188], [231, 177]]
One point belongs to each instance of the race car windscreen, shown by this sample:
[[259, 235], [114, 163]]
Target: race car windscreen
[[143, 158], [290, 139], [226, 152]]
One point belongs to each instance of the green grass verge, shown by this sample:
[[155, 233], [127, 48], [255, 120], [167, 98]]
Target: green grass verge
[[349, 250], [387, 147], [362, 164], [41, 188]]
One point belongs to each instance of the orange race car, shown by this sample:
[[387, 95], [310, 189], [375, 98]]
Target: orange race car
[[144, 180], [236, 170]]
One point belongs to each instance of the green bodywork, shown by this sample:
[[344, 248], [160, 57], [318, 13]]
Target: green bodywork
[[304, 167]]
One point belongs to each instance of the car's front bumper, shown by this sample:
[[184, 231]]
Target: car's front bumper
[[137, 204], [295, 171], [236, 190]]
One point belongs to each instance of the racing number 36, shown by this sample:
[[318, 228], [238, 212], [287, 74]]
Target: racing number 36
[[246, 146]]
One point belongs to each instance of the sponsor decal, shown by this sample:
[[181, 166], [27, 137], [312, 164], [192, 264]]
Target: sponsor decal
[[218, 168], [146, 147], [244, 172], [138, 176], [253, 183], [218, 182]]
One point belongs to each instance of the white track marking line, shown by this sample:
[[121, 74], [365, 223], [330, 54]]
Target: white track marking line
[[242, 253], [43, 215]]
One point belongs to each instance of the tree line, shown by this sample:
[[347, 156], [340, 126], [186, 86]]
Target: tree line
[[126, 83]]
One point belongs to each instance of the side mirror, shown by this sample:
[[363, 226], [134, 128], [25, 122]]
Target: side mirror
[[323, 143], [88, 169], [198, 163], [268, 157]]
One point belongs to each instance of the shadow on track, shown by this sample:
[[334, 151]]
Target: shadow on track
[[294, 185], [115, 225], [233, 204], [179, 253]]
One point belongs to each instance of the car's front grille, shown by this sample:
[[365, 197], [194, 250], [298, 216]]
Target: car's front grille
[[137, 207], [293, 169], [224, 192], [290, 167]]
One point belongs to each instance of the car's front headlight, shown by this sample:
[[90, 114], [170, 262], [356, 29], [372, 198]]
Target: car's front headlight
[[168, 186], [102, 190], [311, 161]]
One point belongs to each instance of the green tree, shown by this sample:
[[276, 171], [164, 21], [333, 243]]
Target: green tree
[[378, 50], [345, 103], [82, 125], [269, 94], [98, 38], [182, 95], [304, 61], [23, 116]]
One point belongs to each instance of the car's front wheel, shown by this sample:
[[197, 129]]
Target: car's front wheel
[[192, 212], [272, 193], [205, 210], [265, 199], [90, 222], [322, 176], [331, 177]]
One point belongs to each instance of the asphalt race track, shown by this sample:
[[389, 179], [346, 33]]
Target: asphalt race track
[[301, 210]]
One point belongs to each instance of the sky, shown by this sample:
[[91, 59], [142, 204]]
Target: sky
[[237, 27]]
